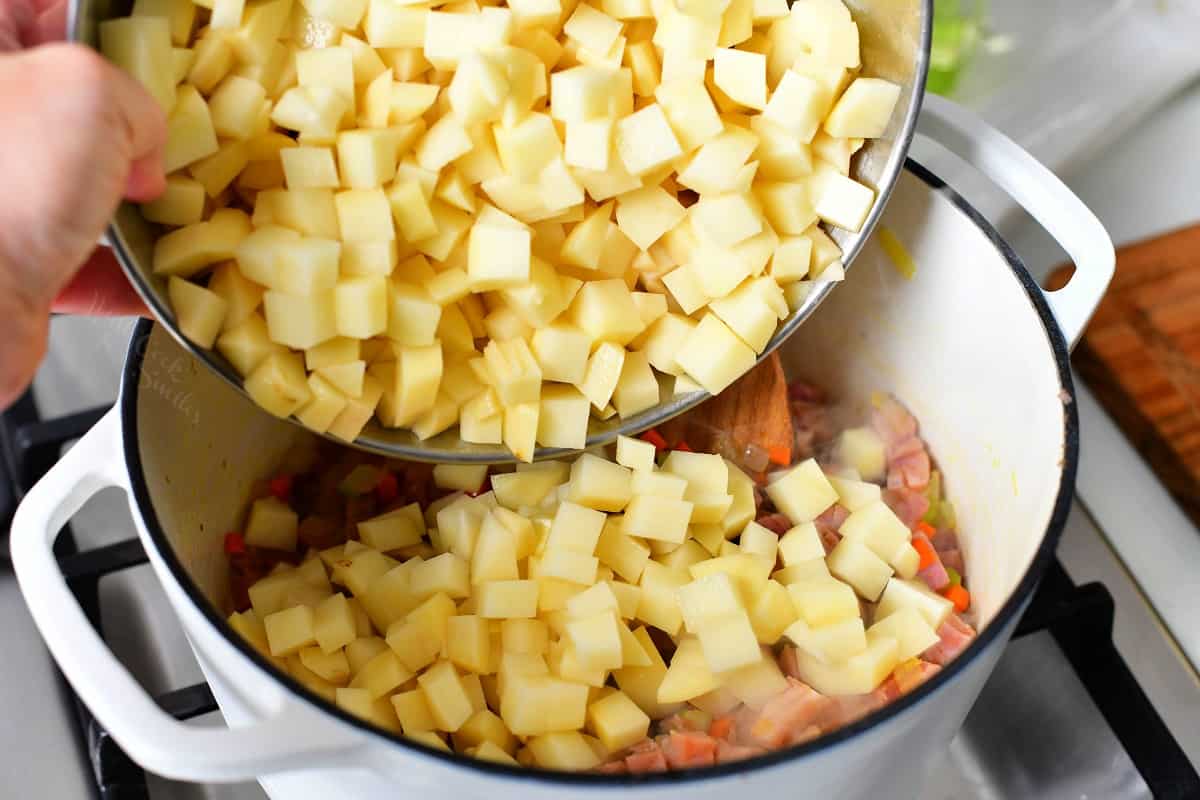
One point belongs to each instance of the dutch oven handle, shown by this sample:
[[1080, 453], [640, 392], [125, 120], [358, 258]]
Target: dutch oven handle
[[1040, 192], [152, 737]]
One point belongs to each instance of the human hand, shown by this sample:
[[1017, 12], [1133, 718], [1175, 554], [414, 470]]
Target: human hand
[[78, 135]]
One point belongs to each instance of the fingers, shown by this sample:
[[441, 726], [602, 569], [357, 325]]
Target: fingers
[[22, 347], [100, 288], [145, 125], [50, 25], [146, 179]]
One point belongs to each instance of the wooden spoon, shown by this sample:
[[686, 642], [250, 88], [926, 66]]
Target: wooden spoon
[[752, 411]]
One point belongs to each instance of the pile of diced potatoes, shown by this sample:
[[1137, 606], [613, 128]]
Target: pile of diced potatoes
[[506, 216], [502, 641]]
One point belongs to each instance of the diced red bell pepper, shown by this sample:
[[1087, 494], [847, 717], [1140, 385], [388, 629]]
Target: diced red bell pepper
[[234, 543], [655, 438], [281, 487], [388, 488]]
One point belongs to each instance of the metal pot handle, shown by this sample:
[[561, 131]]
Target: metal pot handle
[[150, 736], [1040, 192]]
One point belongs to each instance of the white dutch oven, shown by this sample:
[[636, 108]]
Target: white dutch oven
[[970, 345]]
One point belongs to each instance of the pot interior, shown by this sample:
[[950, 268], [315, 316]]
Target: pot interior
[[962, 343]]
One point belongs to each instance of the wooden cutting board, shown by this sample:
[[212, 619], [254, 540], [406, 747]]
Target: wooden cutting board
[[1141, 356]]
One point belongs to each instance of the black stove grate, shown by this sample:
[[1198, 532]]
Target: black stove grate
[[1080, 618]]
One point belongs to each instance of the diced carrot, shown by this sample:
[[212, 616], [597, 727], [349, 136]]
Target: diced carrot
[[234, 543], [387, 489], [655, 438], [683, 447], [925, 528], [959, 596], [281, 487], [721, 728], [925, 551], [780, 454]]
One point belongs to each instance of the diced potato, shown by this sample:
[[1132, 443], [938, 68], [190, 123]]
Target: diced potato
[[863, 110], [842, 201], [141, 46], [334, 624], [714, 356], [603, 373], [742, 76], [289, 630], [596, 640], [199, 313], [635, 454], [537, 704], [855, 563], [772, 612], [901, 594], [659, 605], [563, 418], [803, 492], [832, 643], [853, 494], [878, 527], [331, 667], [468, 643], [617, 721], [859, 674], [485, 728], [689, 675], [657, 517], [821, 602], [800, 544], [507, 599], [689, 108], [362, 650], [759, 541], [495, 554], [271, 524], [645, 140], [182, 203], [708, 600], [448, 702], [391, 531], [626, 556], [413, 712], [909, 628]]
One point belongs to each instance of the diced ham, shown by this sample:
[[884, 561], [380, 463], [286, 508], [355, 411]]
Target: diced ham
[[678, 722], [953, 559], [954, 635], [905, 447], [945, 539], [907, 504], [777, 523], [934, 575], [788, 664], [613, 768], [829, 536], [913, 673], [727, 752], [911, 470], [786, 716], [806, 392], [646, 756], [893, 422], [833, 516], [689, 749]]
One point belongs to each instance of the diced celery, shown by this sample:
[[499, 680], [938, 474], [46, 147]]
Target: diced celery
[[361, 480]]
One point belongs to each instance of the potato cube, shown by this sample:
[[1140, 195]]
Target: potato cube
[[313, 111], [689, 109], [862, 450], [460, 477], [689, 675], [910, 630], [864, 109], [485, 728], [853, 494], [714, 356], [410, 100], [801, 543], [802, 493], [832, 643], [495, 554], [742, 76], [527, 147], [309, 211], [364, 215], [367, 158], [664, 339], [478, 90], [878, 527], [331, 667], [362, 650], [300, 321], [499, 257], [289, 630], [524, 636], [271, 524], [759, 541], [855, 563], [708, 600], [605, 311], [481, 421], [644, 215], [798, 105], [596, 640], [600, 484], [536, 704], [444, 693], [635, 454], [469, 643], [842, 201], [588, 143], [901, 594], [563, 418], [645, 140], [821, 602], [443, 573], [235, 106], [347, 378], [729, 643], [790, 261], [657, 517], [617, 721], [182, 203], [413, 316], [413, 712], [141, 46], [627, 557], [659, 605], [859, 674], [247, 345], [568, 566], [788, 206], [772, 612], [391, 531], [188, 250], [603, 373], [507, 599], [199, 313], [334, 625]]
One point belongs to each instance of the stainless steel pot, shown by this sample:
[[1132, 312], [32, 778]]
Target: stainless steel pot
[[895, 36]]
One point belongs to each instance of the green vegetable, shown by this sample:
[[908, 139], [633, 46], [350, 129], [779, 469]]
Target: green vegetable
[[946, 517], [957, 29], [361, 480], [933, 493], [955, 578], [696, 719]]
